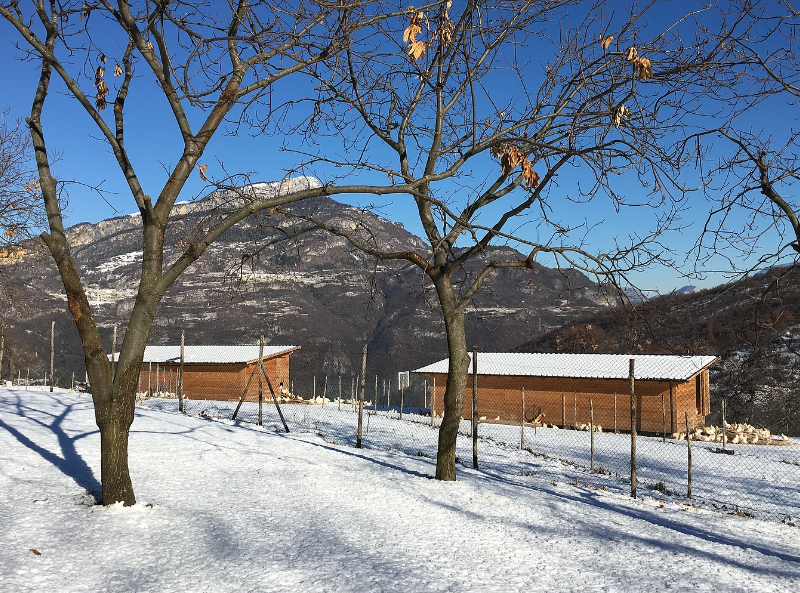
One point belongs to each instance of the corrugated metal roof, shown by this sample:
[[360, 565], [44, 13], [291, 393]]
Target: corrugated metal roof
[[211, 354], [648, 367]]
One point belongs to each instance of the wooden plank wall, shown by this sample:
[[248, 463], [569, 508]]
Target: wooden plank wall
[[565, 402], [224, 382]]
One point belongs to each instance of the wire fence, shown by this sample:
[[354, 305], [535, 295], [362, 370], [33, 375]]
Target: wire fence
[[557, 417], [575, 427]]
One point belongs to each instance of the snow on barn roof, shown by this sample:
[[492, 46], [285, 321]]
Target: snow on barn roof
[[212, 354], [648, 367]]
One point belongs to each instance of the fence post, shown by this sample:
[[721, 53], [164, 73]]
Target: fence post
[[340, 392], [180, 377], [375, 407], [402, 396], [2, 346], [28, 379], [522, 423], [724, 433], [149, 379], [325, 391], [689, 455], [663, 420], [633, 427], [591, 434], [52, 351], [563, 410], [361, 396], [616, 430], [260, 381], [433, 399], [72, 385], [475, 407], [671, 408], [574, 409], [158, 378]]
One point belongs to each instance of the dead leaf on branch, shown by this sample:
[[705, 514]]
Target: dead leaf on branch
[[202, 169], [642, 68], [117, 70], [411, 32], [606, 41], [510, 157], [416, 50], [620, 113], [630, 55]]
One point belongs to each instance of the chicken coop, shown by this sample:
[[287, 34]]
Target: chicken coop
[[212, 372], [560, 389]]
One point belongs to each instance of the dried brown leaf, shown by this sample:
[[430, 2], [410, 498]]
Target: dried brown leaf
[[117, 70], [606, 41], [416, 49], [631, 54], [103, 58], [202, 169]]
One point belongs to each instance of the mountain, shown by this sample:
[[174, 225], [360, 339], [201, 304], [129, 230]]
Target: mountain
[[314, 290]]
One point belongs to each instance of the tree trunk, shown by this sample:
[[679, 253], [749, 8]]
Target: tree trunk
[[114, 430], [456, 385]]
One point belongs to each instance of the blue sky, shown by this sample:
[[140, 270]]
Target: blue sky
[[154, 144]]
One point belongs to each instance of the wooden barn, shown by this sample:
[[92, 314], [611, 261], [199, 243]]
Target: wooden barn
[[561, 387], [213, 372]]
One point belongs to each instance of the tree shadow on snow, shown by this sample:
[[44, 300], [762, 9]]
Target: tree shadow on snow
[[69, 462]]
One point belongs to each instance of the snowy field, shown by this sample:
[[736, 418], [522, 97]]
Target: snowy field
[[763, 481], [229, 506]]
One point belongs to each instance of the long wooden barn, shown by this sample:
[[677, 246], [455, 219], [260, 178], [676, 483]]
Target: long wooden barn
[[561, 387], [213, 372]]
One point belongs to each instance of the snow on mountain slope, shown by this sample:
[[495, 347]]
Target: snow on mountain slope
[[236, 508]]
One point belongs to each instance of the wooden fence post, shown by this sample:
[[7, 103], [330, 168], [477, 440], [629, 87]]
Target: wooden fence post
[[724, 433], [180, 377], [522, 423], [28, 379], [325, 391], [671, 409], [340, 392], [361, 396], [402, 396], [663, 420], [633, 426], [616, 430], [158, 378], [575, 409], [260, 382], [375, 407], [563, 410], [433, 399], [591, 434], [263, 371], [689, 457], [475, 407], [149, 379], [2, 346], [52, 352]]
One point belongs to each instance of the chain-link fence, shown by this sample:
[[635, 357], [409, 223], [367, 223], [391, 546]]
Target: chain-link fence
[[559, 417]]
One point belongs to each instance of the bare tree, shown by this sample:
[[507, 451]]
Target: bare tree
[[504, 119], [211, 63], [21, 212]]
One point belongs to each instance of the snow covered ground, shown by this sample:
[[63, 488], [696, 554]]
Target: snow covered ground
[[760, 480], [234, 507]]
